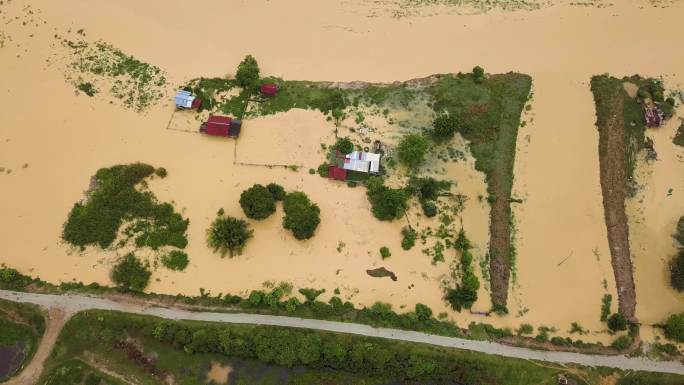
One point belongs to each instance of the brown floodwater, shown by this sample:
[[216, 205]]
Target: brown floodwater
[[52, 141]]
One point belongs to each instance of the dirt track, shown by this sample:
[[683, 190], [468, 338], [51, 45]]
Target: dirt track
[[612, 157]]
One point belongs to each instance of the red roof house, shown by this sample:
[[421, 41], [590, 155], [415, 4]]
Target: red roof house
[[269, 89], [337, 173], [221, 126]]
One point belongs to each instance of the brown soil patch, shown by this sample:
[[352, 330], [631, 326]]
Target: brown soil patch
[[219, 373], [500, 241], [612, 158], [631, 89]]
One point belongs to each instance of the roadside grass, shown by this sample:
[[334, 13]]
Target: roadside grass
[[186, 350], [21, 327], [77, 372]]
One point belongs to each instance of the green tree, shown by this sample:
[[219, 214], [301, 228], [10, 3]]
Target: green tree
[[344, 146], [412, 149], [131, 274], [334, 353], [175, 260], [444, 127], [309, 350], [386, 203], [478, 74], [277, 191], [302, 216], [617, 322], [677, 271], [674, 327], [423, 312], [409, 238], [228, 235], [247, 74], [385, 252], [257, 202]]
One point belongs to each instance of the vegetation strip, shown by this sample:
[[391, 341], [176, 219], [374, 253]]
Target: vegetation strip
[[74, 303]]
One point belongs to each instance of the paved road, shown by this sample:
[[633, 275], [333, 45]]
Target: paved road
[[73, 303]]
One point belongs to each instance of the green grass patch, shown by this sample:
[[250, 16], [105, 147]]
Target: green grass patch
[[76, 372], [120, 196], [21, 327]]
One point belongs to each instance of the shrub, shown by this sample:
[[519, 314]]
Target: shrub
[[617, 322], [679, 234], [386, 203], [87, 88], [444, 127], [423, 312], [605, 307], [311, 294], [323, 170], [131, 274], [344, 146], [478, 74], [412, 149], [255, 298], [465, 295], [409, 239], [228, 235], [429, 208], [247, 74], [257, 202], [277, 191], [674, 327], [622, 342], [525, 329], [385, 252], [312, 171], [161, 172], [175, 260], [301, 215], [428, 188], [677, 271]]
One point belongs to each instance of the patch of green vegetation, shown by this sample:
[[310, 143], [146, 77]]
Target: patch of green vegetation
[[387, 203], [228, 235], [412, 150], [606, 302], [76, 372], [464, 294], [196, 344], [119, 195], [175, 260], [21, 326], [408, 238], [130, 273], [302, 216], [257, 202], [139, 85]]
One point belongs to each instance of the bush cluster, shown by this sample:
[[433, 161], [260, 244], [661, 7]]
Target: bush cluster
[[464, 295], [96, 221], [617, 322], [677, 264], [674, 327], [412, 150], [387, 203], [385, 252], [175, 260], [302, 216], [257, 202], [130, 273], [344, 146], [408, 238], [444, 127]]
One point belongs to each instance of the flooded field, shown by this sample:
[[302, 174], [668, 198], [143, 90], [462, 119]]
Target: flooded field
[[52, 141]]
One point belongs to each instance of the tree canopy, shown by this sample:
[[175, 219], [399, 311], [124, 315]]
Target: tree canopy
[[387, 203], [412, 149], [301, 215], [228, 235], [131, 274], [444, 127], [247, 74], [674, 328], [257, 202]]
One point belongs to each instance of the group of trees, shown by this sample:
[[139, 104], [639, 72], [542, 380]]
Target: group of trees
[[464, 294], [677, 264], [387, 203], [302, 216], [130, 273]]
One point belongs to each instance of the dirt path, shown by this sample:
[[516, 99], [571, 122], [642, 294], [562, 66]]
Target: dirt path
[[612, 157], [74, 303], [57, 317]]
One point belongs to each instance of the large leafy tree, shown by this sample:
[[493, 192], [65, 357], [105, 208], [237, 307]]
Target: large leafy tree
[[228, 235], [412, 150], [301, 215], [247, 74], [131, 274], [257, 202]]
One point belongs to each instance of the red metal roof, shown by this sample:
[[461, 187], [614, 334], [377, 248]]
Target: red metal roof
[[269, 89], [217, 119], [337, 173], [196, 103], [217, 125]]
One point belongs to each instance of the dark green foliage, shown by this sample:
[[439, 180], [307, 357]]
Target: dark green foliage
[[228, 235], [387, 203], [423, 312], [257, 202], [76, 372], [409, 238], [622, 342], [674, 327], [323, 170], [87, 88], [617, 322], [679, 136], [478, 74], [247, 74], [301, 215], [344, 146], [428, 188], [679, 234], [525, 329], [412, 149], [161, 172], [444, 127], [115, 199], [175, 260], [311, 294], [385, 252], [464, 294], [605, 306], [646, 378], [131, 274], [429, 208], [277, 191]]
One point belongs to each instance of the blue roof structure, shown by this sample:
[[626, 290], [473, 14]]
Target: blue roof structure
[[184, 99]]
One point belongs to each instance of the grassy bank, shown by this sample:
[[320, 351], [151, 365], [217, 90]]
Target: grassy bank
[[185, 351], [21, 327]]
